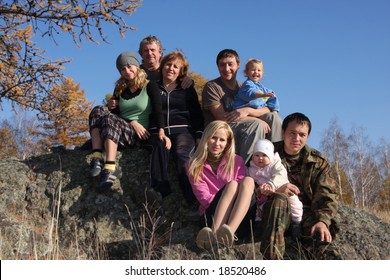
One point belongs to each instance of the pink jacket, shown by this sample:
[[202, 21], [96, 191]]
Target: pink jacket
[[210, 183]]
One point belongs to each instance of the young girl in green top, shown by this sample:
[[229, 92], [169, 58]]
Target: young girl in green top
[[125, 119]]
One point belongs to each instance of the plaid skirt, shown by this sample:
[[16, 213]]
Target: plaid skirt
[[111, 126]]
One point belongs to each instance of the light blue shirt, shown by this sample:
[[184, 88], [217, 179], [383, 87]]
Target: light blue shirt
[[246, 97]]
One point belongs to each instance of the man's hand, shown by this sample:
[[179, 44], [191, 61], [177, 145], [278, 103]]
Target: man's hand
[[237, 115], [266, 127], [323, 232], [244, 113], [289, 189]]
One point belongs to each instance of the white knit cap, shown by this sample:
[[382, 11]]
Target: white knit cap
[[266, 147]]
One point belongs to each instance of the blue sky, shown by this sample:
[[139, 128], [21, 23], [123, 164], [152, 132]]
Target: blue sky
[[326, 59]]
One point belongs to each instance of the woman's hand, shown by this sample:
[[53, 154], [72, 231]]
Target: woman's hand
[[163, 137], [140, 130]]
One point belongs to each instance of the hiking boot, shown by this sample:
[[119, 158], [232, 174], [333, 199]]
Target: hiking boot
[[95, 167], [205, 238], [107, 180], [225, 236]]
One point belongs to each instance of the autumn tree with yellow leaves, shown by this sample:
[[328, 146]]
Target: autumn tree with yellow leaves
[[26, 74], [199, 82], [66, 123]]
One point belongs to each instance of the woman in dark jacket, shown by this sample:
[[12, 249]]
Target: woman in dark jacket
[[184, 126]]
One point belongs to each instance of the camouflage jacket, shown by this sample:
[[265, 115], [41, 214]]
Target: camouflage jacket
[[318, 189]]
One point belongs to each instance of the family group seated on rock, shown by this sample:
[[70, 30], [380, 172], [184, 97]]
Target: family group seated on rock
[[235, 158]]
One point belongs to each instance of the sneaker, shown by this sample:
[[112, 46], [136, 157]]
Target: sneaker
[[205, 238], [108, 179], [225, 236], [95, 167]]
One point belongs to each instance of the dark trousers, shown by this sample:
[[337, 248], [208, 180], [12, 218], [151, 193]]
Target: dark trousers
[[182, 145]]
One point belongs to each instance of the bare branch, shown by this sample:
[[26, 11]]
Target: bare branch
[[26, 75]]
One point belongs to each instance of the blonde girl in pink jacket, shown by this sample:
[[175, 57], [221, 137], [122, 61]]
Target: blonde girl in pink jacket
[[219, 182]]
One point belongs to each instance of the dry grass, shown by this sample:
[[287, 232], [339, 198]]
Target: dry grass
[[383, 214], [34, 243], [146, 231]]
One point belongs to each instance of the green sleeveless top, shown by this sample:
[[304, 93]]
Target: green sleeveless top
[[137, 108]]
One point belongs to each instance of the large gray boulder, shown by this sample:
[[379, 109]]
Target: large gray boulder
[[50, 209]]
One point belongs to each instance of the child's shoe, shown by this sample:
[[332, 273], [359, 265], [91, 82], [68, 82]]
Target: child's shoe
[[95, 167], [108, 179]]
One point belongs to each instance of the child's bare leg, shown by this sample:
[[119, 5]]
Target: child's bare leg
[[111, 149], [96, 139]]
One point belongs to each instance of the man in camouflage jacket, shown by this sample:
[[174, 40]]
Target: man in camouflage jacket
[[308, 172]]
